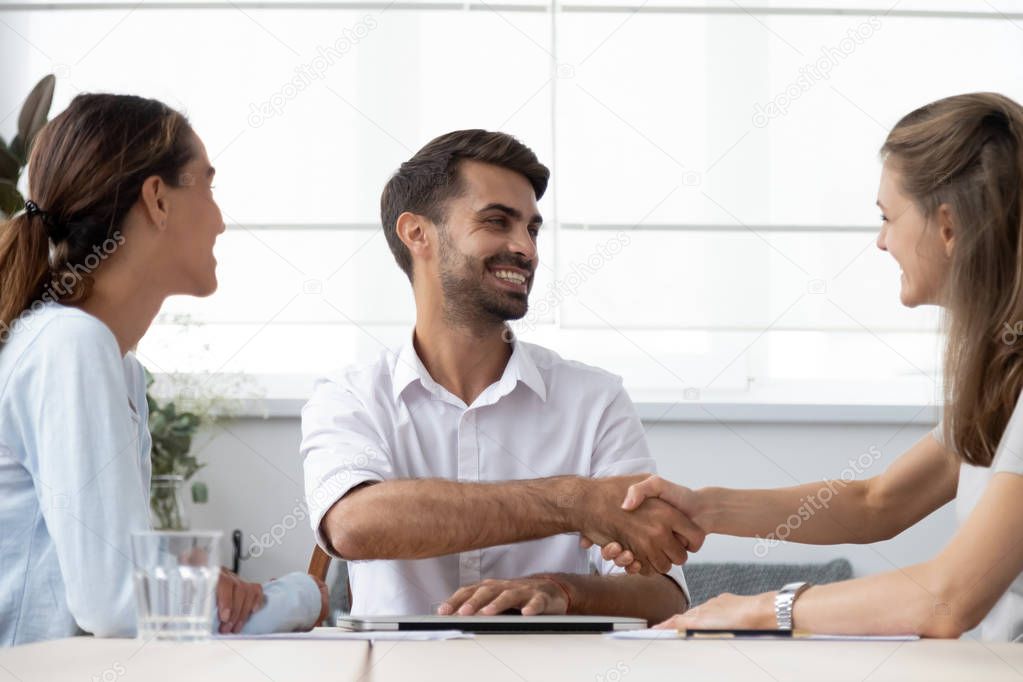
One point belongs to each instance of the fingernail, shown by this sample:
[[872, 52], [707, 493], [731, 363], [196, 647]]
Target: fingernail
[[225, 615]]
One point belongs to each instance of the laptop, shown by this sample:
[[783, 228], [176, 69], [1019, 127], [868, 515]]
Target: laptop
[[494, 624]]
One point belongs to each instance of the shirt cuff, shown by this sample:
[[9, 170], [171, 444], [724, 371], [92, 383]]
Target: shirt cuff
[[679, 577], [327, 494], [292, 602]]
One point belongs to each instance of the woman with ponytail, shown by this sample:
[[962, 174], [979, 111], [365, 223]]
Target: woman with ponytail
[[951, 198], [121, 216]]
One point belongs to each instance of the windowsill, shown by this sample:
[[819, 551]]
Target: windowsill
[[899, 401]]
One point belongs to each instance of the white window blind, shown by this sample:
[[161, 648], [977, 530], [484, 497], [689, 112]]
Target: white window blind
[[711, 221]]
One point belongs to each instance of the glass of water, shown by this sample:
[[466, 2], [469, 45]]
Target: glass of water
[[176, 575]]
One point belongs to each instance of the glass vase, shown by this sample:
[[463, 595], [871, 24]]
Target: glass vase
[[167, 503]]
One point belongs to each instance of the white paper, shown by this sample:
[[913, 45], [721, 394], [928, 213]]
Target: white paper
[[376, 636], [674, 634], [644, 634], [862, 638]]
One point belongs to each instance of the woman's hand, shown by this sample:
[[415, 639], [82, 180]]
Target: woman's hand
[[728, 612], [682, 498], [236, 601]]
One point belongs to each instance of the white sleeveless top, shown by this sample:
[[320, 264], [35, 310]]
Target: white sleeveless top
[[1005, 620]]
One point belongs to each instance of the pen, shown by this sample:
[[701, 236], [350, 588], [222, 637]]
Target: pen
[[707, 633]]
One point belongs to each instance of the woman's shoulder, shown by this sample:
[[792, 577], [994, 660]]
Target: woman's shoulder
[[52, 335], [48, 323], [1009, 453], [1009, 456]]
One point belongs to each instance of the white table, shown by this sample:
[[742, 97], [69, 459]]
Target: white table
[[496, 658]]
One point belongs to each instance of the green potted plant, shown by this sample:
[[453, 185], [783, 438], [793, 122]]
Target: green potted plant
[[172, 431], [14, 156], [180, 404]]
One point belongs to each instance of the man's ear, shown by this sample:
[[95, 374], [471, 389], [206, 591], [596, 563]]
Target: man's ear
[[946, 228], [154, 201], [416, 233]]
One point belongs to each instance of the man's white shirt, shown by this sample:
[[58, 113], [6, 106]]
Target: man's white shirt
[[390, 420]]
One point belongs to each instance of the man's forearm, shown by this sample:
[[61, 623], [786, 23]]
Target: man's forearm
[[655, 598], [422, 518]]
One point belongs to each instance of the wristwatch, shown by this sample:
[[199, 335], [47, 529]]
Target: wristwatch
[[784, 601]]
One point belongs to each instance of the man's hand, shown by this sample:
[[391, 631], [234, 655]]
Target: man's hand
[[236, 601], [613, 551], [532, 596], [655, 535], [653, 487]]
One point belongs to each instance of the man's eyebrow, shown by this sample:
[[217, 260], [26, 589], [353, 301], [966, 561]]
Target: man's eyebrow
[[503, 208], [880, 204], [511, 212]]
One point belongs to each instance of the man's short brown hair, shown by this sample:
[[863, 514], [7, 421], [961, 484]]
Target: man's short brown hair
[[424, 184]]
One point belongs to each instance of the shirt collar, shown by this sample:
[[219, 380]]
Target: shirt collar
[[409, 368]]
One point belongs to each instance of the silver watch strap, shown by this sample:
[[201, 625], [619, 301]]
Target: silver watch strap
[[784, 602]]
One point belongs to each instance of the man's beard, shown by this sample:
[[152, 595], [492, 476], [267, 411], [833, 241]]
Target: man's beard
[[469, 300]]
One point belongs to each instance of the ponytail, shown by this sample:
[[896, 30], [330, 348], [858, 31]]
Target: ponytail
[[86, 169], [24, 268]]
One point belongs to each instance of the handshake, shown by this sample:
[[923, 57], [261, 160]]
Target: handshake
[[642, 523]]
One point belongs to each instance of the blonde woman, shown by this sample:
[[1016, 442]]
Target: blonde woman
[[950, 197]]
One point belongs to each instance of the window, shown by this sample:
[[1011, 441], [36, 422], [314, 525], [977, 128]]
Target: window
[[711, 221]]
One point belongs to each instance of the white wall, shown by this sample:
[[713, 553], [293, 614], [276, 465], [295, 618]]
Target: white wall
[[255, 481]]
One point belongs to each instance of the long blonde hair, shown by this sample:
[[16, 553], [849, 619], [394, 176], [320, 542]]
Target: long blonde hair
[[966, 152]]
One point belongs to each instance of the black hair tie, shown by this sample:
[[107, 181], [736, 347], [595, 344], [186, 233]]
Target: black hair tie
[[56, 232], [32, 209]]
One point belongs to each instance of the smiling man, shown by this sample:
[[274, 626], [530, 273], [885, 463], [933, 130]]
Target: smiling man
[[457, 472]]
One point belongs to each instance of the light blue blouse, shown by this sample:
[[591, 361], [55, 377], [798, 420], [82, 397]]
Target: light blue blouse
[[74, 483]]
